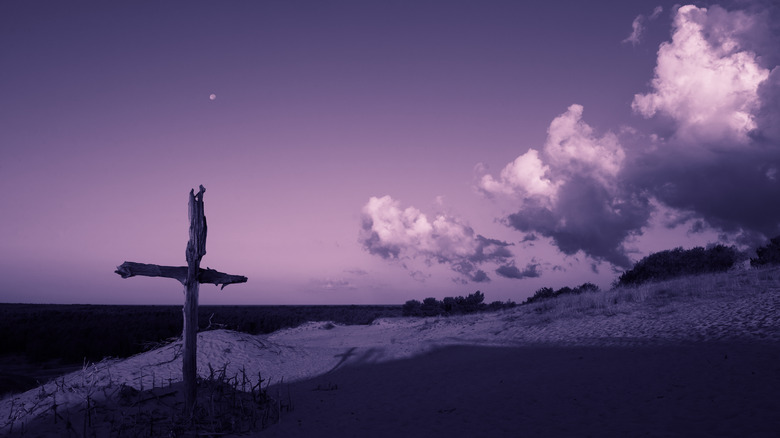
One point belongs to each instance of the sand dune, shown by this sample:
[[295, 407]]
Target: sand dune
[[651, 366]]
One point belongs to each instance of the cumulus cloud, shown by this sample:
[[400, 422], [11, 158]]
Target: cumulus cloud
[[704, 79], [526, 175], [713, 159], [572, 148], [720, 100], [394, 233], [571, 193]]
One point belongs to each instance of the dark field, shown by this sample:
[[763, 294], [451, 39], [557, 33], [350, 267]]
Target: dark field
[[40, 341]]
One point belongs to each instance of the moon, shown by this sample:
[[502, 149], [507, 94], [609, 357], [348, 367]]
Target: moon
[[212, 96]]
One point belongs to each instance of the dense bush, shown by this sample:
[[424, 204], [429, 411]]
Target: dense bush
[[548, 292], [412, 308], [452, 305], [680, 262], [768, 254]]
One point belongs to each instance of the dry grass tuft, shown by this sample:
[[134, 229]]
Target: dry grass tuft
[[626, 299], [226, 405]]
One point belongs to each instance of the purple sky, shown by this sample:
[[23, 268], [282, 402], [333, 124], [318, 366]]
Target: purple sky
[[375, 152]]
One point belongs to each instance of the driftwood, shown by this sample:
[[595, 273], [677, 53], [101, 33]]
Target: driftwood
[[191, 276], [179, 273]]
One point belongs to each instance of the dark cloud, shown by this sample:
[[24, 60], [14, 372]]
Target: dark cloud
[[588, 218], [490, 250], [479, 277], [768, 114], [732, 191], [530, 237], [511, 271], [722, 101]]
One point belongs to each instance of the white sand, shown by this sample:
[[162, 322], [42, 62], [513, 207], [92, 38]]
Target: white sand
[[704, 367]]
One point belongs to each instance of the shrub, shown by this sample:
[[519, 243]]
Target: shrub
[[431, 307], [768, 254], [412, 308], [453, 305], [680, 262], [474, 302], [498, 305], [548, 292], [586, 287]]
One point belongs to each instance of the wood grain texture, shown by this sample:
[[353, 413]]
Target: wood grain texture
[[179, 273]]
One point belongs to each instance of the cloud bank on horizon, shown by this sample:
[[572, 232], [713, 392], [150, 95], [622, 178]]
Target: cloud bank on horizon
[[712, 156]]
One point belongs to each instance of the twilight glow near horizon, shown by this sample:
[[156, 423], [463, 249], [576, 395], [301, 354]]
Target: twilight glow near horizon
[[375, 152]]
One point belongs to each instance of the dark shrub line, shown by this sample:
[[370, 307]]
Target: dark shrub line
[[547, 293], [680, 262], [453, 305], [768, 254]]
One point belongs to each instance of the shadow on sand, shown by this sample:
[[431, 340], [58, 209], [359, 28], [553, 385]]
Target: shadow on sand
[[698, 389]]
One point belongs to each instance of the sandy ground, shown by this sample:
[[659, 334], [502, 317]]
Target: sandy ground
[[691, 390], [705, 367]]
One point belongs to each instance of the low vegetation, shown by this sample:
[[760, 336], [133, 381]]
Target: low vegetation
[[453, 305], [690, 269], [768, 254], [658, 295], [227, 405], [680, 262], [546, 293]]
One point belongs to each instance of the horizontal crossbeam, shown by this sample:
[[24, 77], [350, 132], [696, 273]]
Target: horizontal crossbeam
[[210, 276]]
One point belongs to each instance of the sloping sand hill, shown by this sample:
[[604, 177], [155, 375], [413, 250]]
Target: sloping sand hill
[[692, 357]]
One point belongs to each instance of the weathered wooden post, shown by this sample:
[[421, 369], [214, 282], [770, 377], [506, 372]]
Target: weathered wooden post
[[196, 249], [190, 276]]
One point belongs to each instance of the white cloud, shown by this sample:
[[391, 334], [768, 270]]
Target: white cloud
[[703, 79], [636, 30], [410, 229], [395, 233], [526, 175], [571, 149], [638, 26]]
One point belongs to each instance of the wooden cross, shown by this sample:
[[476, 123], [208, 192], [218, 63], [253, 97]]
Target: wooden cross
[[190, 276]]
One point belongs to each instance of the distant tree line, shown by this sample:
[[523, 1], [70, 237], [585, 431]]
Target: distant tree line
[[453, 305]]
